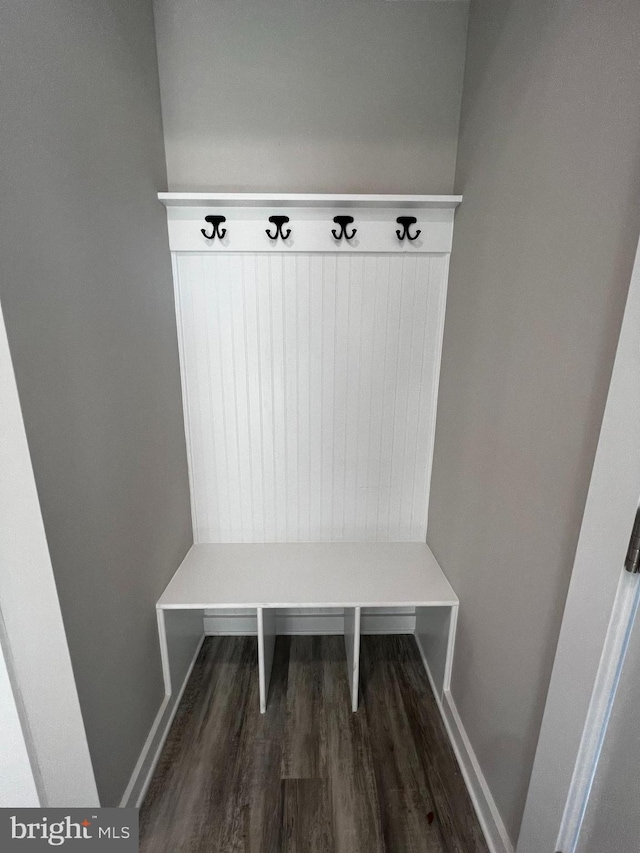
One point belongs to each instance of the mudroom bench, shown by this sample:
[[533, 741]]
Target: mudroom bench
[[344, 575]]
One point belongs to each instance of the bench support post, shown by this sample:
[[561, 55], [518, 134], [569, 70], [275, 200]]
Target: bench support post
[[266, 644], [352, 645], [435, 635]]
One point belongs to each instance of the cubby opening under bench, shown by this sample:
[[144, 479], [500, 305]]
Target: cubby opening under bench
[[345, 575]]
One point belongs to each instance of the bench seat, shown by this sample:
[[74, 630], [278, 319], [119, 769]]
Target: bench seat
[[347, 575]]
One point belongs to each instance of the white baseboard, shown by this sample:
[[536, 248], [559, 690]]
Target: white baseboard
[[485, 806], [140, 780], [310, 621], [489, 818]]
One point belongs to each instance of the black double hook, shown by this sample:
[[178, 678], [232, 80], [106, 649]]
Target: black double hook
[[406, 221], [343, 221], [278, 221], [215, 221]]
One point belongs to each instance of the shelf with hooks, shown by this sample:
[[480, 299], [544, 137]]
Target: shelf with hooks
[[307, 223]]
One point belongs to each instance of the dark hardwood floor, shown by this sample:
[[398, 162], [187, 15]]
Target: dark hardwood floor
[[308, 776]]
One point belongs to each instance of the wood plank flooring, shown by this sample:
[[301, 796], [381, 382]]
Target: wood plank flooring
[[308, 776]]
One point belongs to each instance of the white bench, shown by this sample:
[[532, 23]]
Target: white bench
[[347, 575]]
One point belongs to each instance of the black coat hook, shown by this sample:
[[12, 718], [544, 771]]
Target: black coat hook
[[278, 221], [406, 221], [217, 231], [343, 221]]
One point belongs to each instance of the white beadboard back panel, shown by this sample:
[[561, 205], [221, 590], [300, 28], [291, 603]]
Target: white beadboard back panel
[[310, 384]]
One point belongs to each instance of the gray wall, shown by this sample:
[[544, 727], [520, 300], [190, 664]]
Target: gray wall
[[549, 165], [85, 284], [304, 96]]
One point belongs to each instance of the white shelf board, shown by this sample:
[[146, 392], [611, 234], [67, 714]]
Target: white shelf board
[[361, 200], [327, 574]]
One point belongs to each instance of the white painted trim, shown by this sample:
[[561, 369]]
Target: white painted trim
[[243, 624], [164, 651], [153, 745], [352, 649], [435, 635], [448, 667], [266, 619], [606, 684], [558, 773], [226, 625], [17, 781], [125, 802], [485, 807], [494, 830], [41, 672], [307, 200]]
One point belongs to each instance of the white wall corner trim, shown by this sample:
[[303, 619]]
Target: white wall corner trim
[[492, 825], [17, 779], [41, 672]]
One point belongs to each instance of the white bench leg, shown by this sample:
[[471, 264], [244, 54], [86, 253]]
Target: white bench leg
[[266, 644], [181, 635], [435, 635], [352, 644]]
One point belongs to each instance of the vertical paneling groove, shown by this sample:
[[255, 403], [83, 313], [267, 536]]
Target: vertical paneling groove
[[213, 511], [353, 392], [412, 404], [252, 383], [372, 461], [342, 297], [229, 399], [236, 307], [279, 395], [315, 379], [309, 386], [422, 455], [394, 420], [420, 476], [198, 432], [241, 378], [264, 333], [270, 361], [260, 407], [385, 361], [409, 276], [303, 393], [329, 344], [287, 455]]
